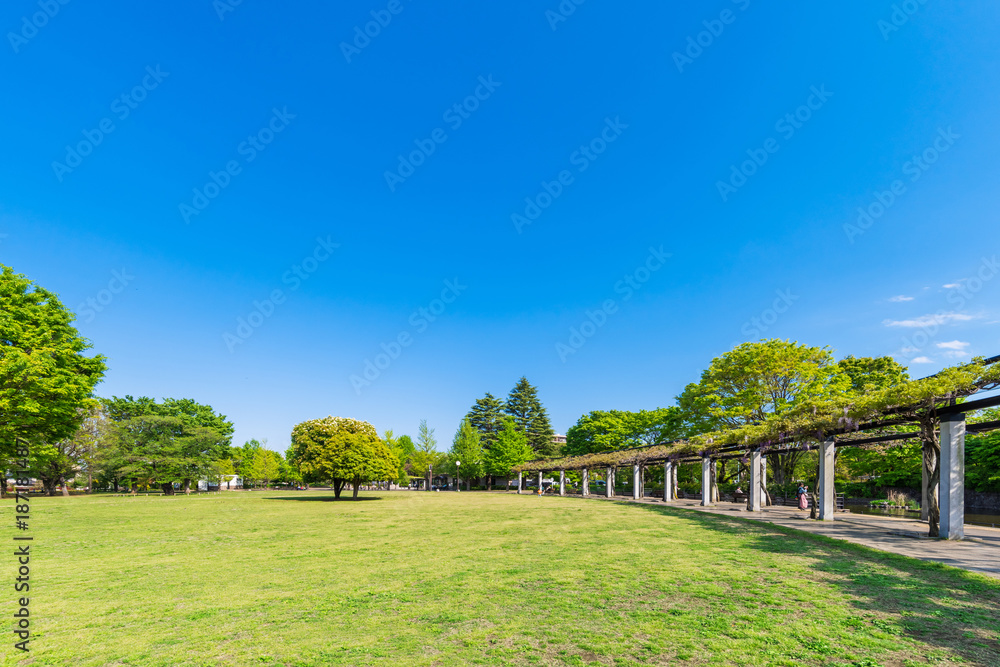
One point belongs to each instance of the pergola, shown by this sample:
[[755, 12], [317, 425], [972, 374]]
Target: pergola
[[928, 409]]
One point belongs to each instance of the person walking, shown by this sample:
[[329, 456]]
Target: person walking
[[803, 494]]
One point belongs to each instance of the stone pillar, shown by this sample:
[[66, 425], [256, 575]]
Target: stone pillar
[[706, 481], [609, 483], [952, 487], [754, 501], [520, 481], [562, 482], [827, 506], [635, 482], [668, 482], [540, 475], [585, 483]]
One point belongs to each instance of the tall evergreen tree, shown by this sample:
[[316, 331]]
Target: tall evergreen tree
[[486, 416], [529, 415]]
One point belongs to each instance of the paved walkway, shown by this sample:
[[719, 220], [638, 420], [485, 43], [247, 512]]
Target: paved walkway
[[979, 552]]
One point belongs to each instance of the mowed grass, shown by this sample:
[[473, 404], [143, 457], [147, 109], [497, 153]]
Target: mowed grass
[[411, 578]]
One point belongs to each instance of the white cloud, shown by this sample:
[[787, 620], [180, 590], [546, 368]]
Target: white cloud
[[900, 298], [952, 286], [953, 345], [923, 360], [929, 320], [909, 350], [957, 354]]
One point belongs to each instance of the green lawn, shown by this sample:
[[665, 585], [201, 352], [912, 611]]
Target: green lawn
[[410, 578]]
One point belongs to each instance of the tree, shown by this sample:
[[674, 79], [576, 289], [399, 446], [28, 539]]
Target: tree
[[222, 472], [466, 449], [342, 450], [510, 449], [754, 380], [151, 450], [609, 430], [486, 416], [402, 454], [46, 382], [57, 463], [426, 454], [265, 466], [868, 374], [523, 405]]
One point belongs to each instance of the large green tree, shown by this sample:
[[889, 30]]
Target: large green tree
[[466, 449], [426, 454], [530, 416], [486, 416], [46, 380], [608, 430], [510, 449], [755, 380], [343, 450]]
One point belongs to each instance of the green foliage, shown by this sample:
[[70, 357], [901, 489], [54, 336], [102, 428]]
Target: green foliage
[[466, 449], [46, 382], [609, 430], [486, 416], [426, 454], [511, 449], [982, 461], [867, 374], [403, 452], [890, 465], [342, 450], [529, 414]]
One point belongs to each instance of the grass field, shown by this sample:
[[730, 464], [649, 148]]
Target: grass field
[[409, 578]]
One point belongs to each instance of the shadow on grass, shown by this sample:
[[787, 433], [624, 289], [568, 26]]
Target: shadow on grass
[[922, 594], [325, 499]]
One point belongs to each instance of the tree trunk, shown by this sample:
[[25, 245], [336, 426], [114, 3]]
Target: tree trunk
[[65, 489], [713, 492], [338, 486], [357, 485], [168, 488], [932, 464], [468, 484], [187, 486]]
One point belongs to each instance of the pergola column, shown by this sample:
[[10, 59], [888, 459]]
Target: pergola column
[[609, 483], [520, 481], [706, 481], [826, 461], [952, 524], [585, 483], [668, 481], [754, 494], [540, 475], [562, 482]]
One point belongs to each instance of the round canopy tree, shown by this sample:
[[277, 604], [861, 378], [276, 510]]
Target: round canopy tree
[[345, 451], [46, 382]]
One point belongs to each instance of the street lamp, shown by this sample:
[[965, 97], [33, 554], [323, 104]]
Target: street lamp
[[458, 476]]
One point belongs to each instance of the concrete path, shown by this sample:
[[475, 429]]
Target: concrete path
[[979, 552]]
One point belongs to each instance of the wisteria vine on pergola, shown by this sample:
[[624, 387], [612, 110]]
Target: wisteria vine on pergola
[[906, 403]]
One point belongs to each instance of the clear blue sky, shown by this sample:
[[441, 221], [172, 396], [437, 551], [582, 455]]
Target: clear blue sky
[[640, 137]]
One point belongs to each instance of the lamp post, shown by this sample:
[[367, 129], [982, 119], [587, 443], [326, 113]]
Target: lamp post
[[458, 476]]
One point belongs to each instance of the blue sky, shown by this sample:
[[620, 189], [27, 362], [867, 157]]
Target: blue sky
[[682, 178]]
